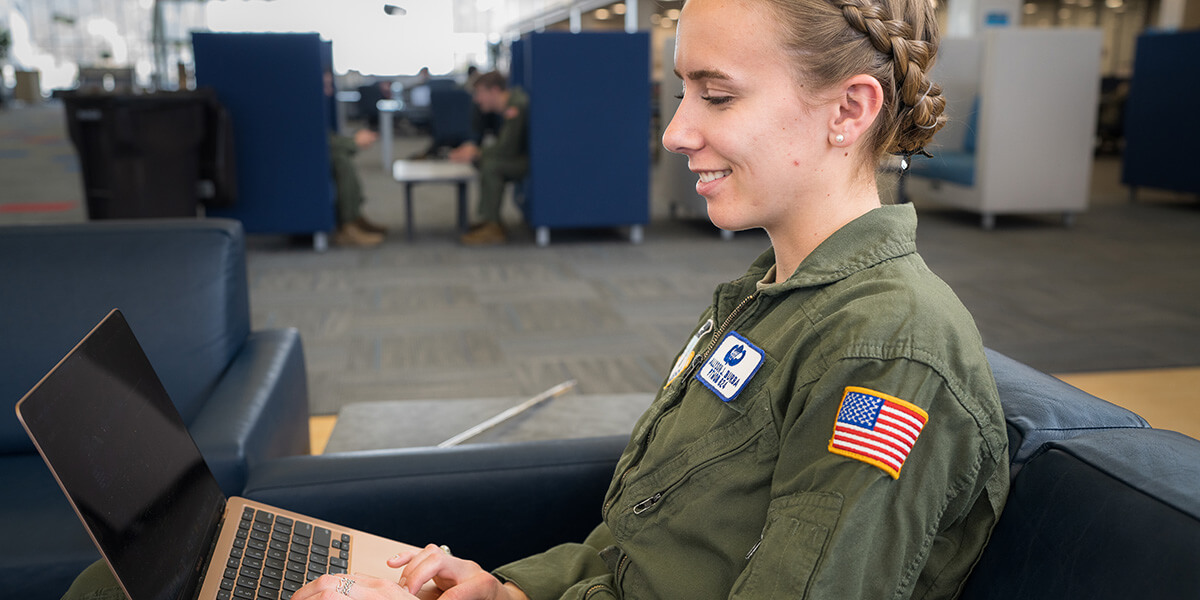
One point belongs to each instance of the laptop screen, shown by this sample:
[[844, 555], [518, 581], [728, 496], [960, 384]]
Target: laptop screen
[[120, 450]]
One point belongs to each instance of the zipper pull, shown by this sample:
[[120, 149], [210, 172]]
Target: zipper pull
[[646, 504], [757, 544]]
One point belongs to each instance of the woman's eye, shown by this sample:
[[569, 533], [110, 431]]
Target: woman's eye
[[716, 100]]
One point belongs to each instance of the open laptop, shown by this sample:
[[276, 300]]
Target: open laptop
[[115, 442]]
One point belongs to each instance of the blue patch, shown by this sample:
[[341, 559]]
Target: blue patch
[[731, 366]]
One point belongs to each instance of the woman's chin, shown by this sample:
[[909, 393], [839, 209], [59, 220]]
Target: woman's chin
[[728, 222]]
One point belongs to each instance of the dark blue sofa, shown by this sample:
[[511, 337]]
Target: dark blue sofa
[[1094, 488], [181, 284]]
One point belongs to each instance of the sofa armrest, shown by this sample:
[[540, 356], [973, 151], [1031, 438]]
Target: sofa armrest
[[258, 410], [491, 503], [1108, 514]]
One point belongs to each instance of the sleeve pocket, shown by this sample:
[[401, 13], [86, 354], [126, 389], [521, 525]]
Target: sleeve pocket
[[793, 541]]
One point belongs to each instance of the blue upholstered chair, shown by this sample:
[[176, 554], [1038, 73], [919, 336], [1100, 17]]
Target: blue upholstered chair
[[181, 284]]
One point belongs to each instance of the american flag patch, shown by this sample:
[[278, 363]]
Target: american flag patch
[[876, 428]]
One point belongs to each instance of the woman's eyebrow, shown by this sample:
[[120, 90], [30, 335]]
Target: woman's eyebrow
[[703, 74]]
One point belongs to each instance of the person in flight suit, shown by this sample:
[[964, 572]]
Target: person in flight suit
[[831, 430], [506, 159]]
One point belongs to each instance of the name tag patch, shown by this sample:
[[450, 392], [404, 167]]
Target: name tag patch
[[731, 366]]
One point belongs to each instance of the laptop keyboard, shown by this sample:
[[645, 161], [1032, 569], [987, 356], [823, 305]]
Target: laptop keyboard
[[273, 556]]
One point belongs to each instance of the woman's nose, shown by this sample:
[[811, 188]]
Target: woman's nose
[[680, 136]]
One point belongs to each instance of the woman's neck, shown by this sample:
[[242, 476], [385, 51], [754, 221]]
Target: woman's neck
[[813, 222]]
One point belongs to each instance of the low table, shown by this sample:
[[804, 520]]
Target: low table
[[412, 423], [412, 172]]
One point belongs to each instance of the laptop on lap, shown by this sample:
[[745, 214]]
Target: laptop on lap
[[115, 442]]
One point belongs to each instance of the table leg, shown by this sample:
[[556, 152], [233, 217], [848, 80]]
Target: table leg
[[385, 139], [462, 206], [408, 210]]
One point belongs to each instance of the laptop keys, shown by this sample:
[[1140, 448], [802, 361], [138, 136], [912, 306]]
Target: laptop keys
[[274, 556]]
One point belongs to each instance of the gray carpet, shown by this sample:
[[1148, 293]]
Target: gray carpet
[[431, 320]]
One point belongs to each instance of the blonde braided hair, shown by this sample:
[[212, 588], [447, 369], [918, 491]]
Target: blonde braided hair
[[894, 41]]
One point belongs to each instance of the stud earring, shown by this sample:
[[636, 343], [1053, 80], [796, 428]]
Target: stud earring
[[839, 138]]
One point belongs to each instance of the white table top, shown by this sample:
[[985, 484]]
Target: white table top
[[410, 171]]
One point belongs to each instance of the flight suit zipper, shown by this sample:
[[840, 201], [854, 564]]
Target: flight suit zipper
[[652, 501], [708, 350], [719, 333]]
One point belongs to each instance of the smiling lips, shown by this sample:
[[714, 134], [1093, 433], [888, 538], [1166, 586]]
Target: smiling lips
[[707, 176]]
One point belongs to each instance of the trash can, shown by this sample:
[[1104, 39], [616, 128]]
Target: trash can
[[144, 155]]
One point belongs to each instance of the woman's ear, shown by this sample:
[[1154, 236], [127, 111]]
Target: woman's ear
[[860, 98]]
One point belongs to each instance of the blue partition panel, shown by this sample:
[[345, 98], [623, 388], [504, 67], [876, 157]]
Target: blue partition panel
[[272, 86], [1158, 153], [589, 128]]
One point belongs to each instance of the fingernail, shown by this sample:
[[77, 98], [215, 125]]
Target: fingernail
[[403, 582]]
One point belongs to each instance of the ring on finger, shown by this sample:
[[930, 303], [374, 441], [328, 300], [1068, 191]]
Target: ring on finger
[[343, 586], [446, 549]]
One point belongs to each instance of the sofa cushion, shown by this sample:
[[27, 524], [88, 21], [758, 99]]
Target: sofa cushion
[[54, 545], [191, 314], [972, 134], [1039, 408], [1107, 514], [946, 165]]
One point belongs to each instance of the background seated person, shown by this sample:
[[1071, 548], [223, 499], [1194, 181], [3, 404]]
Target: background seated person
[[506, 159]]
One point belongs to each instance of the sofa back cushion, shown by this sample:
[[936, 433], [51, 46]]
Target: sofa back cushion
[[1106, 514], [181, 284], [1039, 408]]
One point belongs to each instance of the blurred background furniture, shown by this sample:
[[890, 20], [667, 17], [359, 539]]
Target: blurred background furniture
[[994, 157], [151, 155], [181, 283], [411, 172], [450, 110], [273, 86], [589, 120], [1160, 116]]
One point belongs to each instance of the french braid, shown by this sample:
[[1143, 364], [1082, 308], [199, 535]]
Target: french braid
[[910, 57], [894, 41]]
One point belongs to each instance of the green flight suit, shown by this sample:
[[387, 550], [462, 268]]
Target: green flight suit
[[745, 499], [345, 178], [506, 159]]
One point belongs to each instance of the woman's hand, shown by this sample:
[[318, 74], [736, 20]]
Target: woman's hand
[[355, 587], [458, 579]]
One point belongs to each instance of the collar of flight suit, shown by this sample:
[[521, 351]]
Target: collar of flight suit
[[882, 234]]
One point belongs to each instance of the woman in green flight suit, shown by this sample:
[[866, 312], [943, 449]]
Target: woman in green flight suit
[[832, 429]]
